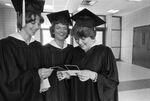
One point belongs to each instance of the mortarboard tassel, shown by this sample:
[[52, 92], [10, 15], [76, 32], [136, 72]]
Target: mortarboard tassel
[[23, 13]]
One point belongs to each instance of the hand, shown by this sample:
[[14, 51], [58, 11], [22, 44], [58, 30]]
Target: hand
[[43, 90], [45, 72], [62, 75], [85, 75]]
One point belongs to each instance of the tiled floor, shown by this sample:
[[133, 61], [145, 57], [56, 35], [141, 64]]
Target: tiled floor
[[135, 95], [134, 82]]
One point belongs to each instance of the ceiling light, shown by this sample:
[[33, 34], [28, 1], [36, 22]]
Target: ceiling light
[[88, 2], [113, 11], [135, 0], [92, 2], [7, 4]]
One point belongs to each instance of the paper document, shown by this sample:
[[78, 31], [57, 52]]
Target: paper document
[[45, 85], [72, 67], [72, 70]]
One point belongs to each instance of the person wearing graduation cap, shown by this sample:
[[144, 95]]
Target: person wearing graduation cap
[[20, 56], [55, 53], [98, 76]]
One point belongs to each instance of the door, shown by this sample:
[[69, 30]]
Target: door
[[141, 46]]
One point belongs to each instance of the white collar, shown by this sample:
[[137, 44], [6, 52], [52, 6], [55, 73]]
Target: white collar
[[19, 37], [94, 44], [53, 43]]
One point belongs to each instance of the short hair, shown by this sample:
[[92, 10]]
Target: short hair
[[29, 17], [52, 28], [80, 32]]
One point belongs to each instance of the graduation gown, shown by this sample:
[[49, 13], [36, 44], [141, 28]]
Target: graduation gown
[[19, 62], [99, 59], [54, 56]]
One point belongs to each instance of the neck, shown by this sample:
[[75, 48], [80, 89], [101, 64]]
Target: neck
[[25, 36], [60, 43], [90, 45]]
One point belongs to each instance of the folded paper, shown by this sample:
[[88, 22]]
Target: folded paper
[[45, 85]]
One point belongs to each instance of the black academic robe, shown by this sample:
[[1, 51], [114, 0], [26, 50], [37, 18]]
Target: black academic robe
[[56, 57], [19, 62], [99, 59]]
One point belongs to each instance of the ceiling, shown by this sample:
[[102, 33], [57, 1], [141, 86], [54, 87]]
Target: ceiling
[[100, 7]]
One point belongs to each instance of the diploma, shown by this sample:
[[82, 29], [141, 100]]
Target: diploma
[[72, 72]]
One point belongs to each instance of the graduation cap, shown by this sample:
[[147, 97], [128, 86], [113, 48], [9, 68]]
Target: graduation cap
[[30, 5], [86, 18], [23, 6], [60, 16]]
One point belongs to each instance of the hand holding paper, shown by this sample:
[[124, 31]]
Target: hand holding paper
[[71, 70], [85, 75], [45, 72], [61, 75]]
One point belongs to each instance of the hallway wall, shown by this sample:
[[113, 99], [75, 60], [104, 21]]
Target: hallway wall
[[135, 19], [7, 21]]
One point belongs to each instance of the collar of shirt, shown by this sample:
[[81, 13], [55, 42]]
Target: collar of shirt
[[94, 44], [19, 37], [53, 43]]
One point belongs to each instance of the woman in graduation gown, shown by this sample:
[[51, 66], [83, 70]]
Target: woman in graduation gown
[[20, 58], [55, 53], [98, 76]]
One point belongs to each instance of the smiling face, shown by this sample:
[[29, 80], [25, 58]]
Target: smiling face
[[85, 43], [84, 36], [33, 22], [32, 27], [60, 31]]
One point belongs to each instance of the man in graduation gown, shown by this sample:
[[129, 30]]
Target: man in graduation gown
[[98, 76], [20, 57]]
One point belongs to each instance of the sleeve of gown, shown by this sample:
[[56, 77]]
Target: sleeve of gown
[[107, 80], [1, 74], [15, 83]]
